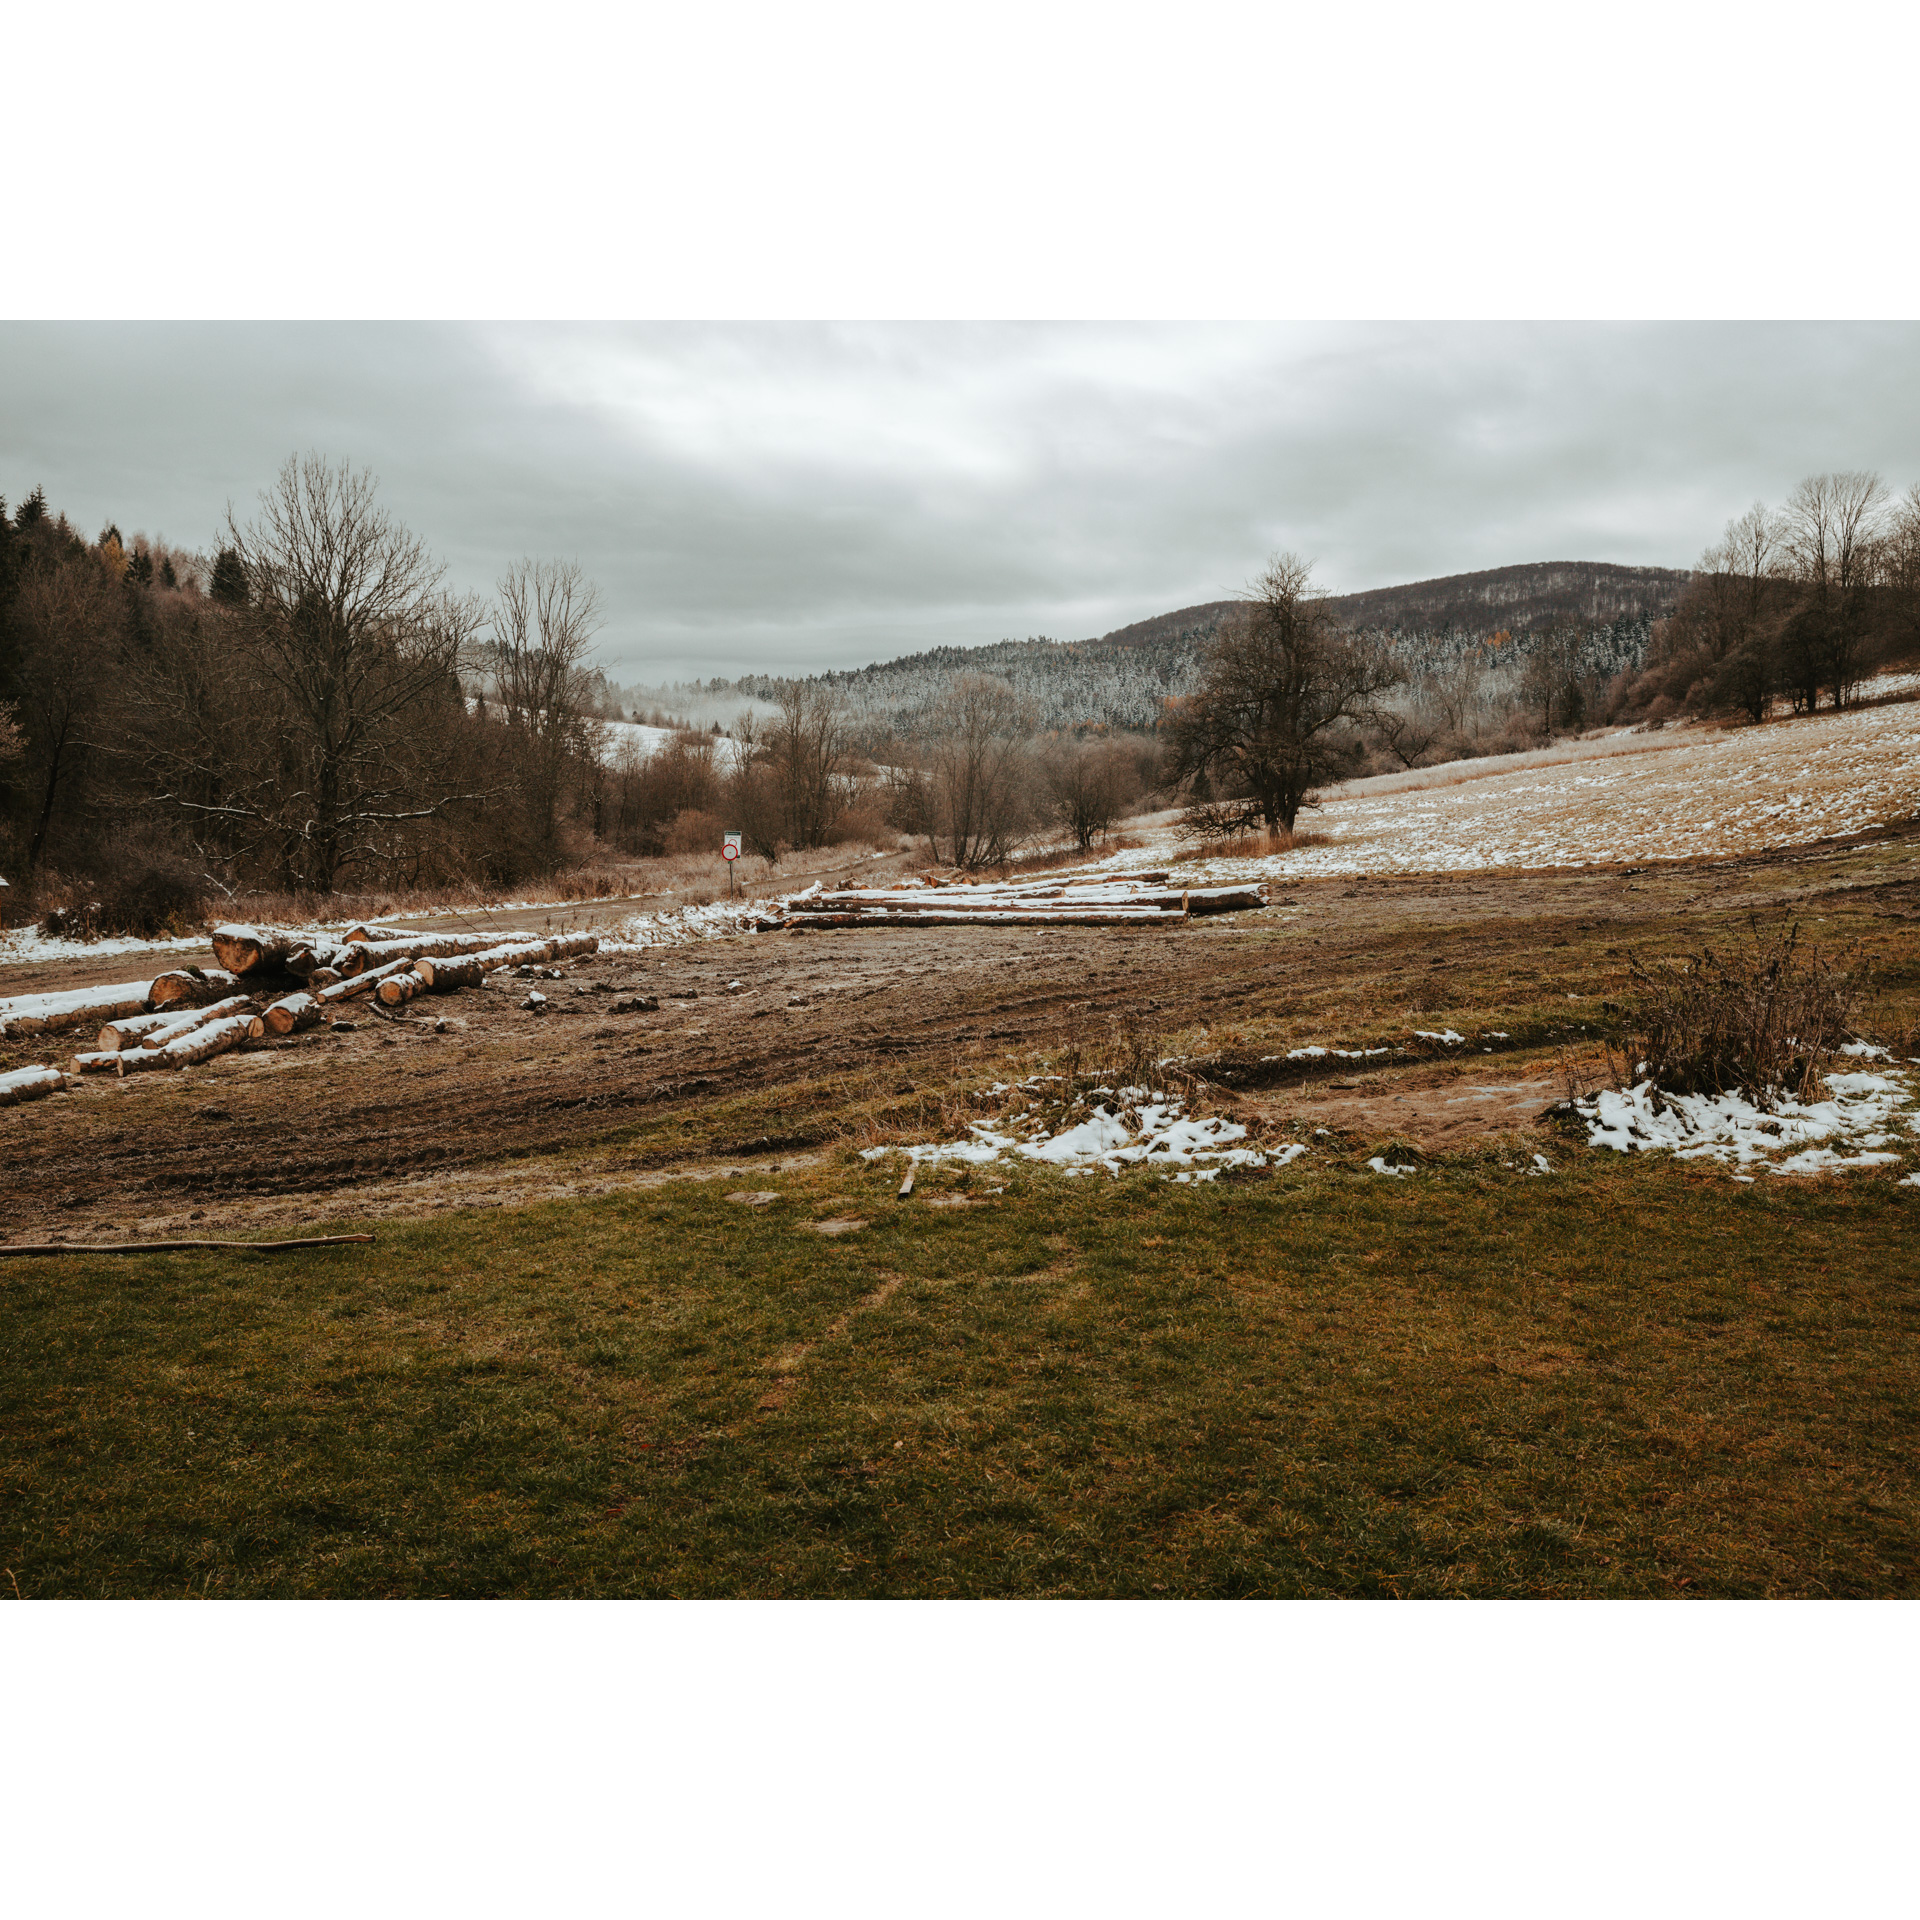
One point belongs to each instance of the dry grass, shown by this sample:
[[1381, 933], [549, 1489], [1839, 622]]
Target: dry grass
[[1760, 1022], [1255, 846]]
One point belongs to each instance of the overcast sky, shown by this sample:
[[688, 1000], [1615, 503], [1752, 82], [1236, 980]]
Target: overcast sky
[[792, 497]]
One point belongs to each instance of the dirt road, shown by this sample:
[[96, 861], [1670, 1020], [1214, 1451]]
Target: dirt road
[[398, 1102]]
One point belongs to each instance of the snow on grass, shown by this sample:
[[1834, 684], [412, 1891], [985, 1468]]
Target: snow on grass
[[1139, 1130], [28, 946], [1855, 1126], [1693, 792]]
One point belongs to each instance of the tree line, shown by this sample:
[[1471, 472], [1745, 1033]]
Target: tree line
[[312, 710]]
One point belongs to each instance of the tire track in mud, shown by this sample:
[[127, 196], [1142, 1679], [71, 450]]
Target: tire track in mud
[[904, 999]]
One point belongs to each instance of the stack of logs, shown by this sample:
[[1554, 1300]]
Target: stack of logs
[[1144, 899], [291, 984]]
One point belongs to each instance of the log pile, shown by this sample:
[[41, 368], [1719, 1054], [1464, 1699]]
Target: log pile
[[283, 988], [1136, 900]]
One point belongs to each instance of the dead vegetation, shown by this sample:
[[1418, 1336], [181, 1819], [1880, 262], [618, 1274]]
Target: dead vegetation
[[1763, 1020]]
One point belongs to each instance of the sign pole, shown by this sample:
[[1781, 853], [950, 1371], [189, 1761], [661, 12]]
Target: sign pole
[[730, 852]]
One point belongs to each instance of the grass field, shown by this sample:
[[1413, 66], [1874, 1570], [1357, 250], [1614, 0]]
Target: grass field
[[1630, 1379]]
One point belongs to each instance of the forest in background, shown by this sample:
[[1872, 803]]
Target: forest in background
[[309, 711]]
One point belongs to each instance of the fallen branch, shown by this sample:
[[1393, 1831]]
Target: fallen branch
[[191, 1246]]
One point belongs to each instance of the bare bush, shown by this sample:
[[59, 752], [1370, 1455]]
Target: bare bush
[[1762, 1022]]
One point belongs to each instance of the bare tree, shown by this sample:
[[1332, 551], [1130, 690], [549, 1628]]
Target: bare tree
[[1089, 783], [1900, 573], [978, 795], [805, 744], [1830, 532], [545, 615], [68, 616], [343, 649], [1280, 683]]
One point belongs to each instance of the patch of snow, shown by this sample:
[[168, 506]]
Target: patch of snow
[[1156, 1133], [1450, 1038], [1541, 1164], [1389, 1167], [1730, 1128]]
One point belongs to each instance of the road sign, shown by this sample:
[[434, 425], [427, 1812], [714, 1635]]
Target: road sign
[[731, 850]]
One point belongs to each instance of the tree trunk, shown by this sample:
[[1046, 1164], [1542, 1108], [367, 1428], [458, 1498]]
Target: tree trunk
[[245, 949], [294, 1014], [125, 1033], [169, 1031], [30, 1083], [211, 983]]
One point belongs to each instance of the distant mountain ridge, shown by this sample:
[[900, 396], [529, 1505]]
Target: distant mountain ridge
[[1520, 599], [1124, 678]]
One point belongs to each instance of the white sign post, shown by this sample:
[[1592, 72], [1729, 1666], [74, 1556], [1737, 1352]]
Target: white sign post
[[730, 852]]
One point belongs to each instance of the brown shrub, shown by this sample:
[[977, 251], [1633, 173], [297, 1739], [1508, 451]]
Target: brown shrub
[[1761, 1022]]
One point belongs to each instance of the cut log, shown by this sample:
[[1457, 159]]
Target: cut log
[[169, 1031], [243, 949], [360, 982], [362, 956], [196, 988], [57, 1012], [30, 1083], [294, 1014], [203, 1043], [105, 1061], [469, 969], [323, 977], [126, 1033], [398, 988], [570, 946]]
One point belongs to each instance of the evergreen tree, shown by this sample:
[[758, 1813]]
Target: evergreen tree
[[141, 568], [168, 578], [33, 510], [229, 579]]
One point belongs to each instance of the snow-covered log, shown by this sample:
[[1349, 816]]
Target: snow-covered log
[[106, 1060], [128, 1032], [171, 1030], [196, 988], [469, 969], [398, 988], [295, 1013], [362, 956], [244, 949], [220, 1036], [1055, 902], [360, 982], [569, 946], [30, 1083], [56, 1012], [202, 1043]]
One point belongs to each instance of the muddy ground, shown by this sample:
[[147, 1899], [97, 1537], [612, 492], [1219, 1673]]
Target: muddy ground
[[470, 1100]]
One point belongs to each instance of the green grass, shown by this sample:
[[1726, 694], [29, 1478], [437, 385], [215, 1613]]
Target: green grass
[[1627, 1379]]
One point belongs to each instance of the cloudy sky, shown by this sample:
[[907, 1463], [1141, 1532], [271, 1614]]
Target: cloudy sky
[[789, 497]]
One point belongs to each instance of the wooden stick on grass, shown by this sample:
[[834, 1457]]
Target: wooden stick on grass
[[188, 1246]]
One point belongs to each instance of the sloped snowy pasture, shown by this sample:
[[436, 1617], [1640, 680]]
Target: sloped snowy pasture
[[1703, 793]]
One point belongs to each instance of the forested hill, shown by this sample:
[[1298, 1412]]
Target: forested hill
[[1516, 600], [1121, 679]]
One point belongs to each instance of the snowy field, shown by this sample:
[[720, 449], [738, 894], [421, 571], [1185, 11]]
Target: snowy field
[[1680, 794]]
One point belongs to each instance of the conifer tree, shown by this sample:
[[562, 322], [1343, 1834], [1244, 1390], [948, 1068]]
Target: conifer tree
[[229, 585]]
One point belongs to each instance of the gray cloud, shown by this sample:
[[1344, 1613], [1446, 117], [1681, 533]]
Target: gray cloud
[[793, 497]]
